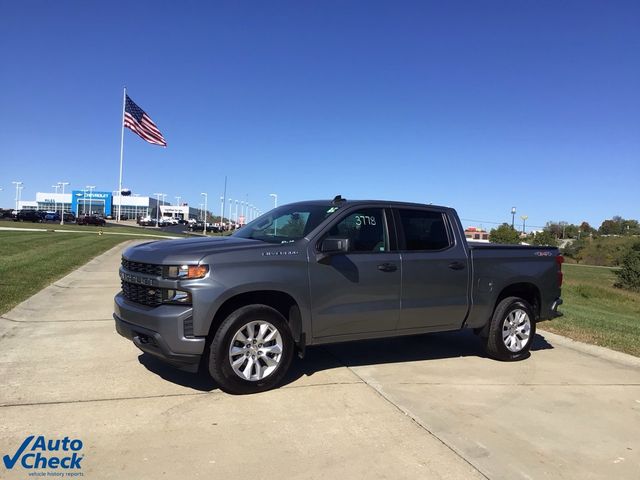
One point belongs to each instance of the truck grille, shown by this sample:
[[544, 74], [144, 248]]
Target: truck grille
[[151, 296], [139, 267]]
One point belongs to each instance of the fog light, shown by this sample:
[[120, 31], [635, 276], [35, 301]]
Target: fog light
[[177, 296]]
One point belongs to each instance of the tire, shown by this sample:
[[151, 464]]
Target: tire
[[259, 367], [511, 330]]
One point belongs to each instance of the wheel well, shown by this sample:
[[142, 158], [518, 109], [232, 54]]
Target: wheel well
[[280, 301], [526, 291]]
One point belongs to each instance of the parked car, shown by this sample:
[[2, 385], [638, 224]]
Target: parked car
[[6, 213], [34, 216], [146, 221], [320, 272], [69, 217], [51, 217], [91, 220]]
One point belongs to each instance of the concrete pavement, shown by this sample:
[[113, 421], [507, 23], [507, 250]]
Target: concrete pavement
[[421, 407]]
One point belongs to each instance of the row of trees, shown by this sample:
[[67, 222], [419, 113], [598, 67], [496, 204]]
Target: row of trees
[[505, 233], [614, 244], [614, 226]]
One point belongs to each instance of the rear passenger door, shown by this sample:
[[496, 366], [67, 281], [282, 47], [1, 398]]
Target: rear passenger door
[[435, 271]]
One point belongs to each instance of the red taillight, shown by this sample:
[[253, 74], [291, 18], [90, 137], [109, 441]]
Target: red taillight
[[559, 262]]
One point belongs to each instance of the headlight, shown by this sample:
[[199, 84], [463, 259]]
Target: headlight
[[185, 272]]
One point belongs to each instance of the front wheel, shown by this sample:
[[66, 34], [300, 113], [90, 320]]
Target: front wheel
[[511, 330], [251, 351]]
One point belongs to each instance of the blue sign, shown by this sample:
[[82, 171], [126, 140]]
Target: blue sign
[[99, 202]]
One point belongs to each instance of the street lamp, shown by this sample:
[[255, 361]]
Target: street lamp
[[55, 202], [524, 219], [275, 199], [221, 211], [90, 188], [62, 184], [237, 213], [513, 217], [158, 208], [205, 211], [18, 188], [230, 207]]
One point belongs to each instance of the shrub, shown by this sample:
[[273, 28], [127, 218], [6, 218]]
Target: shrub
[[629, 274]]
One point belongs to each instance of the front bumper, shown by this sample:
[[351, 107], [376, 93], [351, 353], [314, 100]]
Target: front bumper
[[159, 331]]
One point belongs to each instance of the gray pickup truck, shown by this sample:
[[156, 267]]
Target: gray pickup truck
[[319, 272]]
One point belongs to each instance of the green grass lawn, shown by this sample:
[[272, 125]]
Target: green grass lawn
[[108, 228], [29, 261], [596, 312]]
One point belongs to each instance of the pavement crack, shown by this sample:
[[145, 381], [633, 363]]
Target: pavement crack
[[97, 400], [56, 321], [407, 413]]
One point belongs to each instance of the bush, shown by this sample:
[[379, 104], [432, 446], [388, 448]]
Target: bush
[[505, 233], [629, 274]]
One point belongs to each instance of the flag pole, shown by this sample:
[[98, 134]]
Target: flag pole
[[124, 101]]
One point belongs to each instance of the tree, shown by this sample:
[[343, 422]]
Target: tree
[[629, 274], [586, 229], [505, 233], [544, 238]]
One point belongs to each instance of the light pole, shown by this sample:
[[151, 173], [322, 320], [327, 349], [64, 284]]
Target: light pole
[[90, 187], [513, 217], [275, 199], [524, 220], [55, 203], [221, 211], [237, 213], [158, 208], [62, 184], [205, 211], [18, 186], [230, 207], [201, 205]]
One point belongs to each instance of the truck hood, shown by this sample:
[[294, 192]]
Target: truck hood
[[189, 250]]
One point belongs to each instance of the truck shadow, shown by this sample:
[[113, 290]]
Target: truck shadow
[[432, 346]]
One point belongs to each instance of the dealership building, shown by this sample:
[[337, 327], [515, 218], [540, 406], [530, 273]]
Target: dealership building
[[99, 203], [106, 204]]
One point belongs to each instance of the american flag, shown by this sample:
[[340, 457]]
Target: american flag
[[136, 120]]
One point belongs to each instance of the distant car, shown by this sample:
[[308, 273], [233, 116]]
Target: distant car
[[51, 217], [69, 217], [147, 221], [91, 220], [34, 216], [8, 213]]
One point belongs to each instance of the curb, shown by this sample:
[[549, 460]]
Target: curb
[[593, 350]]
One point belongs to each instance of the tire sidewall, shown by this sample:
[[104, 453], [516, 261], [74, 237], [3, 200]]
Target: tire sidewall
[[220, 365], [503, 312]]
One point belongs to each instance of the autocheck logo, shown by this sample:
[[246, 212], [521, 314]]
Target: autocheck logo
[[41, 453]]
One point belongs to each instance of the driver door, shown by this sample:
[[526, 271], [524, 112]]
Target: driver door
[[357, 291]]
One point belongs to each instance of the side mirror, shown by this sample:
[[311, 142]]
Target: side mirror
[[335, 245]]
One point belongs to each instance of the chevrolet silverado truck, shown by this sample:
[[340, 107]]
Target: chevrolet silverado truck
[[320, 272]]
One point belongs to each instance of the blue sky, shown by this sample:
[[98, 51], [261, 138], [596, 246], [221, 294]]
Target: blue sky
[[476, 105]]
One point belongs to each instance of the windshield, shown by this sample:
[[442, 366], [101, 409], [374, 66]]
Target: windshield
[[286, 224]]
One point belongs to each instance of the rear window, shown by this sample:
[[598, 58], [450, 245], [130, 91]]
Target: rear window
[[424, 230]]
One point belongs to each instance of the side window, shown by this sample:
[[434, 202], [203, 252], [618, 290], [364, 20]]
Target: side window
[[424, 230], [366, 230]]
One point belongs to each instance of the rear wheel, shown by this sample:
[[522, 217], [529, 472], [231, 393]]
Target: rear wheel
[[251, 351], [511, 330]]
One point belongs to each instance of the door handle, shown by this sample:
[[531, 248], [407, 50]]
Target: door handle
[[456, 265], [387, 267]]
